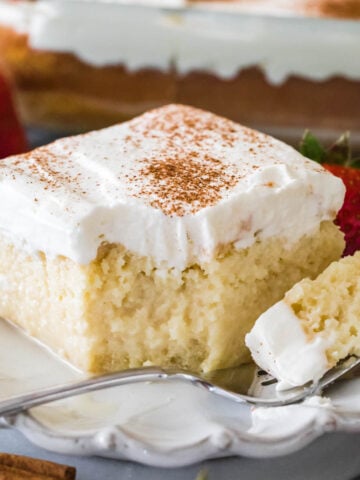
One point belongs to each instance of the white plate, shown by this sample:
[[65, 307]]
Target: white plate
[[156, 424]]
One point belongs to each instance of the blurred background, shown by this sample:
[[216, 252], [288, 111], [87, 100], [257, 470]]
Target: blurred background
[[280, 66]]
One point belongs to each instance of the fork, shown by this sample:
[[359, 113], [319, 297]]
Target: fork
[[210, 383]]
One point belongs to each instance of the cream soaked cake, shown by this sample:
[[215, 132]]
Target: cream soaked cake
[[312, 328], [160, 240]]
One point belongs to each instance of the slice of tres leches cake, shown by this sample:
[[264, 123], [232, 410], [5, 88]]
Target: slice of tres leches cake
[[161, 240]]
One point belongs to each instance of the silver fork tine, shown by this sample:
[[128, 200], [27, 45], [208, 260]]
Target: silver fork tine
[[339, 371]]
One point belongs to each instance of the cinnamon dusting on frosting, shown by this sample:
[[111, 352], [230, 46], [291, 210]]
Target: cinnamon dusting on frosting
[[44, 166], [188, 180], [187, 170], [177, 159]]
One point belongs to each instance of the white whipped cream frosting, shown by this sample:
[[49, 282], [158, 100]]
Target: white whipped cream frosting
[[69, 197], [168, 35], [279, 345]]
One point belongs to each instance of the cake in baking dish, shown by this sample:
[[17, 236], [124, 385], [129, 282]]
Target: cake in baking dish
[[277, 65], [160, 240], [313, 327]]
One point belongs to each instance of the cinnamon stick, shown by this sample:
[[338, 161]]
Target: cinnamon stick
[[32, 469], [12, 473]]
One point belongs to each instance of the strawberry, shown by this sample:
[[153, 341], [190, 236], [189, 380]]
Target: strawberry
[[349, 216], [12, 136], [338, 160]]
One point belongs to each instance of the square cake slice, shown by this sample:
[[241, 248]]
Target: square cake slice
[[160, 240]]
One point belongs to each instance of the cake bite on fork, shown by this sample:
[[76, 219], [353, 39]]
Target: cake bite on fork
[[315, 326]]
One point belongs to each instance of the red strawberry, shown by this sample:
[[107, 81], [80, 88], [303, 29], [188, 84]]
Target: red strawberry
[[337, 159], [348, 218], [12, 136]]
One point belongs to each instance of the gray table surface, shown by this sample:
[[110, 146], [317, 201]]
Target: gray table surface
[[332, 457]]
